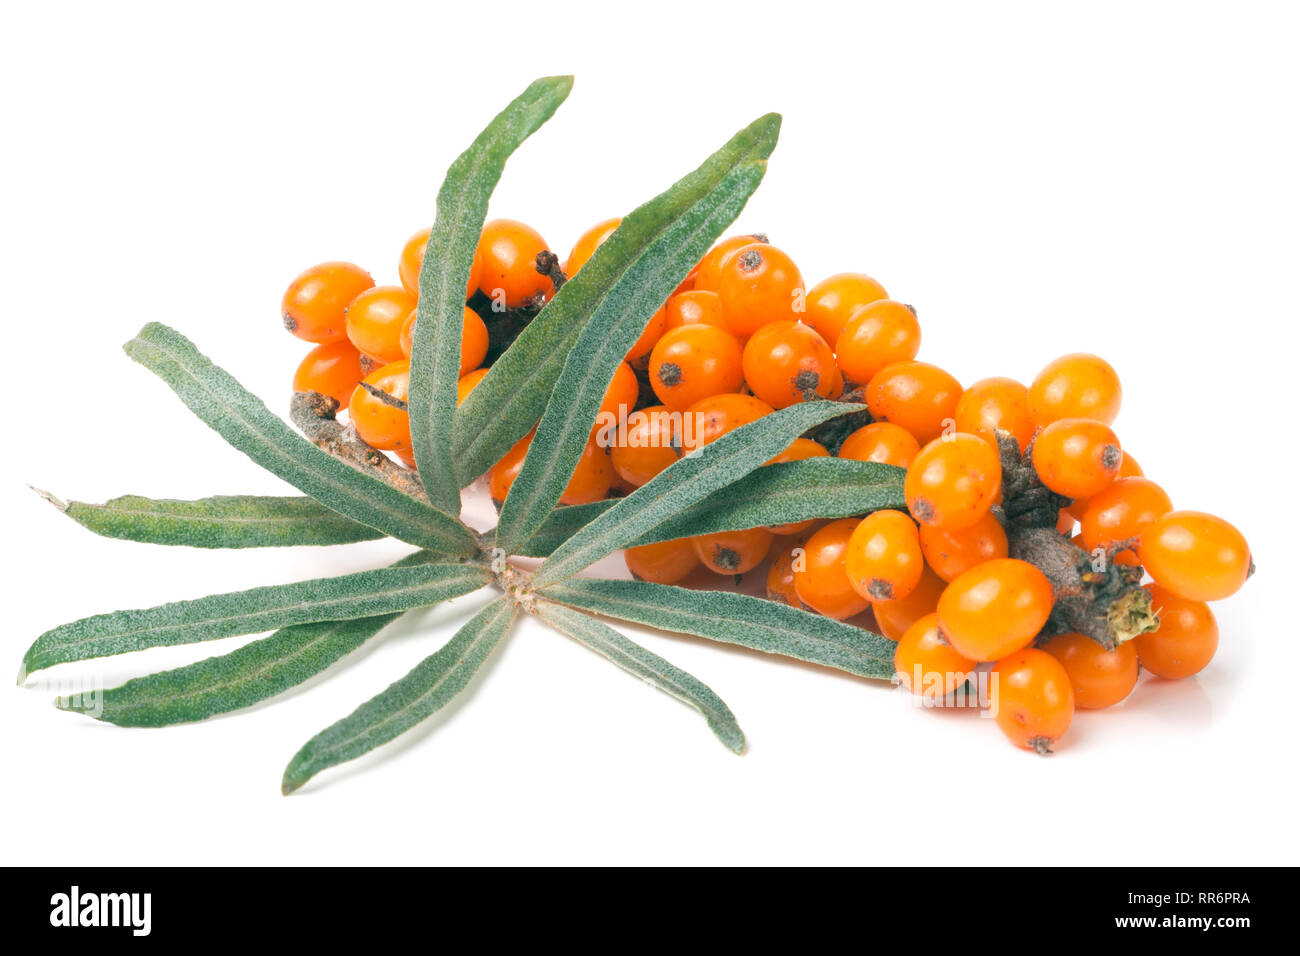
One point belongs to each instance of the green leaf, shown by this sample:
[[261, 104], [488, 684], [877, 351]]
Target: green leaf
[[561, 525], [253, 673], [241, 419], [224, 521], [462, 207], [364, 594], [651, 668], [617, 321], [685, 482], [786, 492], [734, 619], [421, 693], [510, 399]]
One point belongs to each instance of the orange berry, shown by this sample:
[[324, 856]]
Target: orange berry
[[1077, 457], [1195, 555], [884, 561], [694, 362], [915, 395], [465, 384], [375, 320], [1128, 468], [708, 274], [587, 244], [951, 553], [696, 307], [332, 369], [1121, 512], [992, 405], [995, 608], [926, 664], [590, 482], [1075, 386], [877, 334], [381, 423], [832, 302], [895, 617], [620, 398], [820, 578], [759, 284], [408, 266], [646, 446], [882, 442], [788, 362], [732, 552], [473, 339], [953, 482], [315, 305], [1186, 640], [664, 562], [507, 253], [1098, 677], [711, 418], [639, 354], [780, 575], [1031, 699]]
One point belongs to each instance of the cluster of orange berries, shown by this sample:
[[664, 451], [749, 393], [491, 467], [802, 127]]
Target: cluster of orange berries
[[742, 336]]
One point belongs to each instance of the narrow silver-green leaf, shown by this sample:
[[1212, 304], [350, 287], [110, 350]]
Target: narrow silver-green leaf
[[462, 207], [786, 492], [561, 525], [649, 667], [224, 521], [512, 396], [244, 421], [348, 596], [616, 321], [685, 482], [421, 693], [253, 673], [734, 619]]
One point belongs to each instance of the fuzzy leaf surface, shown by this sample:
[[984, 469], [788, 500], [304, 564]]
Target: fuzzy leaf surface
[[649, 667], [561, 525], [429, 687], [462, 207]]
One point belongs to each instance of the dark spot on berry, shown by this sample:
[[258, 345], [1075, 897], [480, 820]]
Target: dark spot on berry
[[807, 381], [290, 322], [759, 237], [880, 590], [910, 308], [749, 260], [669, 374], [922, 510], [726, 558], [369, 365], [1111, 456]]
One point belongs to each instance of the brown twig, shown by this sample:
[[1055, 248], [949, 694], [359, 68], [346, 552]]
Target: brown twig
[[314, 415]]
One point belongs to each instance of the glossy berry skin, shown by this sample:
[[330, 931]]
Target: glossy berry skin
[[708, 420], [914, 395], [664, 562], [646, 446], [473, 339], [832, 302], [378, 423], [801, 449], [995, 608], [788, 362], [893, 618], [1099, 678], [780, 574], [1077, 457], [926, 664], [1195, 555], [1120, 512], [708, 274], [884, 560], [694, 362], [333, 369], [507, 254], [1075, 386], [992, 405], [877, 334], [882, 442], [1186, 640], [953, 482], [408, 266], [1031, 699], [375, 321], [587, 244], [639, 354], [732, 552], [823, 583], [314, 306], [951, 553], [695, 307], [759, 284], [620, 398], [465, 384], [590, 482]]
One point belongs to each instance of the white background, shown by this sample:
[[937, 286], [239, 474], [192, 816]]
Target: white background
[[1035, 178]]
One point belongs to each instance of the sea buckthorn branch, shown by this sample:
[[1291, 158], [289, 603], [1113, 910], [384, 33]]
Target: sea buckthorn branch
[[314, 415]]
